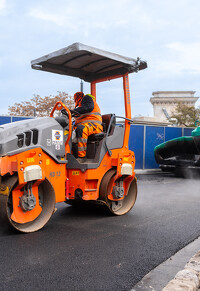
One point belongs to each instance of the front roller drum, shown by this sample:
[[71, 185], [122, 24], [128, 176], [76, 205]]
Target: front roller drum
[[122, 206], [26, 219]]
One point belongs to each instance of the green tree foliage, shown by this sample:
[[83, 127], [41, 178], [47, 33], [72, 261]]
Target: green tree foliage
[[186, 115], [40, 106]]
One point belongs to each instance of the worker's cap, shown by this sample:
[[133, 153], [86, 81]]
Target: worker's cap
[[78, 97]]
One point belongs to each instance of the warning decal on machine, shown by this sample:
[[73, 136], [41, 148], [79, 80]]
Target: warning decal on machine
[[76, 173], [57, 137]]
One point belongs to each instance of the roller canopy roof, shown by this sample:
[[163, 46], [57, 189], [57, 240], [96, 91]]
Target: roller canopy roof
[[87, 63]]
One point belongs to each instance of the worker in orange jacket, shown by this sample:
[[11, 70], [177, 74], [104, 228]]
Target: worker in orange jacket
[[89, 122]]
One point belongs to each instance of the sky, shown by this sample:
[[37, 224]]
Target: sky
[[164, 33]]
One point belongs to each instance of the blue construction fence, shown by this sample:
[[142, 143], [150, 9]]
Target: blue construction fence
[[9, 119], [144, 138]]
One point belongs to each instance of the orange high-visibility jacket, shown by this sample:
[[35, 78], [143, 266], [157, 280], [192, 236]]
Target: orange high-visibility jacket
[[93, 116]]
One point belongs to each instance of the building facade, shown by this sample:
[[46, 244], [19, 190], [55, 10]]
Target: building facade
[[165, 102]]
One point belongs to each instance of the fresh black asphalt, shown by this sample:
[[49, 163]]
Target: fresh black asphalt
[[86, 249]]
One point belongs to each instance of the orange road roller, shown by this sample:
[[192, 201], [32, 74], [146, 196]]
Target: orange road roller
[[38, 167]]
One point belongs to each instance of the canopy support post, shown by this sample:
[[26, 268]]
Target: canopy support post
[[93, 89], [127, 102]]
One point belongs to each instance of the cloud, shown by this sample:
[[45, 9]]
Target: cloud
[[108, 15], [181, 58], [57, 19], [2, 5]]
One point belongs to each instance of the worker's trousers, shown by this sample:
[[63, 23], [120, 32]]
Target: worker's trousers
[[84, 130]]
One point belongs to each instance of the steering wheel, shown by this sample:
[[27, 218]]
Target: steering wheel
[[73, 113]]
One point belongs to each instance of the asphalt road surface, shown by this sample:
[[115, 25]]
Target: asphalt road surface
[[85, 249]]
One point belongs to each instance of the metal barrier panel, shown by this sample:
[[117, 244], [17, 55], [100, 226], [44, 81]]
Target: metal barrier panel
[[5, 119], [18, 118], [136, 144], [187, 131], [9, 119], [154, 136], [172, 132]]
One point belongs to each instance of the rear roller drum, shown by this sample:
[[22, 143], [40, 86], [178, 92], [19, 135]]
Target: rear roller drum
[[28, 210], [122, 206]]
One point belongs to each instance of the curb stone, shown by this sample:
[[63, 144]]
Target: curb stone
[[187, 279]]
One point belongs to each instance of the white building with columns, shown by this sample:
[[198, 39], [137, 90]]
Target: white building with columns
[[164, 104]]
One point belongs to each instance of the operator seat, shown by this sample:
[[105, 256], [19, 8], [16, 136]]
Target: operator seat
[[94, 140], [106, 119]]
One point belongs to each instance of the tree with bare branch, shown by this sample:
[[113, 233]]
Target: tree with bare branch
[[40, 106]]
